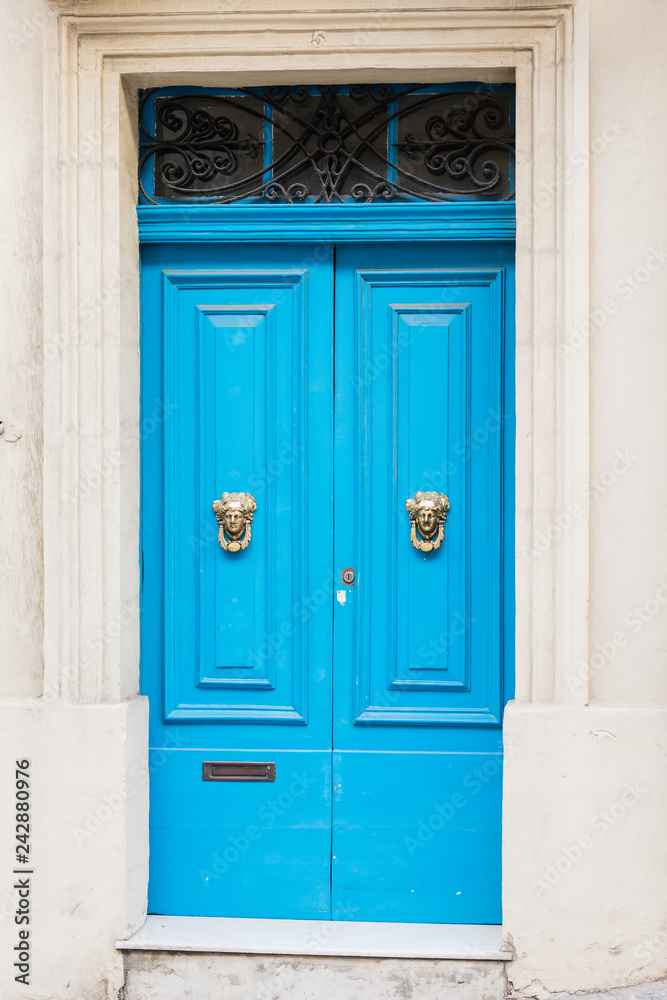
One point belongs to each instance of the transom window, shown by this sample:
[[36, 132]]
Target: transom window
[[327, 144]]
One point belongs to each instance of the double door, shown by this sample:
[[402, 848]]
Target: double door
[[327, 622]]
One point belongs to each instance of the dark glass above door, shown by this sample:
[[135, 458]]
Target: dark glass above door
[[327, 144]]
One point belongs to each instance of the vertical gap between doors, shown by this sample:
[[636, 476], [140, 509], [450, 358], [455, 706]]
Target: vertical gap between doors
[[333, 568]]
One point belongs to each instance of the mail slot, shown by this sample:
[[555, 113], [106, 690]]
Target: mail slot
[[238, 770]]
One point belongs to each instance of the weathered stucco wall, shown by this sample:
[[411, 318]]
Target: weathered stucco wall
[[586, 791], [629, 352], [586, 787], [597, 777], [21, 565]]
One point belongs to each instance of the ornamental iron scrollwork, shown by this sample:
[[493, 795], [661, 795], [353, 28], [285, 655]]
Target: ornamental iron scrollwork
[[327, 144]]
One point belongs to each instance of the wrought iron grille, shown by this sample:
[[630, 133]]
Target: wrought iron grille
[[327, 144]]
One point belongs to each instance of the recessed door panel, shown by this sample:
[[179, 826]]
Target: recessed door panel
[[427, 404], [235, 351], [423, 349]]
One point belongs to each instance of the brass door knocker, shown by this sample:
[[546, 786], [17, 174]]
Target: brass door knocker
[[428, 513], [234, 513]]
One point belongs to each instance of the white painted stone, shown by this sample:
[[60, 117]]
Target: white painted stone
[[628, 353], [482, 942], [21, 374], [584, 856], [89, 775]]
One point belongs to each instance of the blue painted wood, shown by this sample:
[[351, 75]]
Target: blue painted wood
[[424, 349], [241, 849], [236, 647], [428, 385], [417, 837], [237, 369], [241, 406], [471, 221]]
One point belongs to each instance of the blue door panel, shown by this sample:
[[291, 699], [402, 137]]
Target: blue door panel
[[420, 640], [416, 837], [239, 342], [240, 848], [235, 352]]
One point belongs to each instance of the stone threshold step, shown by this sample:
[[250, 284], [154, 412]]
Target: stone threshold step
[[232, 935]]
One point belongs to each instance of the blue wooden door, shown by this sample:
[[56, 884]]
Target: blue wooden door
[[376, 704], [423, 638], [237, 361]]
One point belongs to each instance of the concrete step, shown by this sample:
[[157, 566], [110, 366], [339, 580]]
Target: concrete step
[[180, 976], [199, 958]]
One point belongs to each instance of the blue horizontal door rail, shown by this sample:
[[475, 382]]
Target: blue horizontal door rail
[[464, 221]]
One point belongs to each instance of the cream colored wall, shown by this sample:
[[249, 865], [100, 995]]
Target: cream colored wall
[[629, 352], [585, 859], [21, 560], [577, 922]]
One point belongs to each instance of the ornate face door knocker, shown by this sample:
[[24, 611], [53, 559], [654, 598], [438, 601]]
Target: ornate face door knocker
[[234, 513], [428, 513]]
